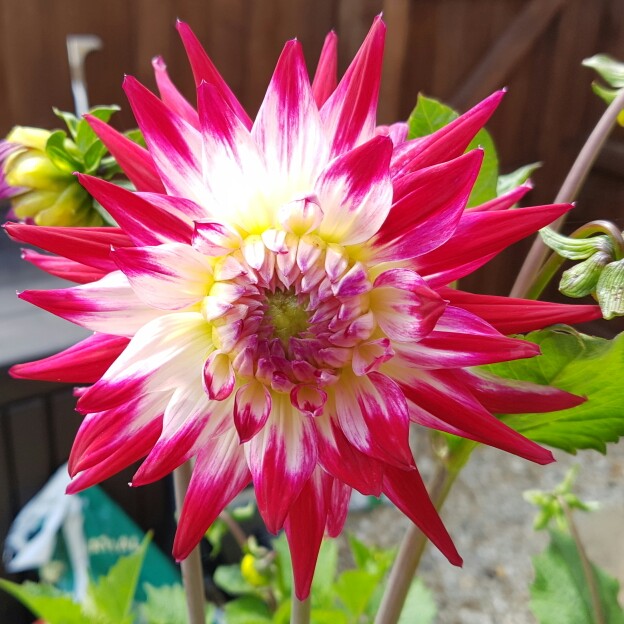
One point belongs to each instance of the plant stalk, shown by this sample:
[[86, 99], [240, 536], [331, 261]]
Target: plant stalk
[[300, 611], [192, 574], [588, 572], [414, 541], [568, 192]]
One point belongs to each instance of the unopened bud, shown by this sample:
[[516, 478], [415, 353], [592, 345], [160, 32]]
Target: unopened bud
[[581, 279], [610, 290], [576, 248]]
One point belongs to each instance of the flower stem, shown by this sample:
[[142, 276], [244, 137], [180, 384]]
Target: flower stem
[[588, 572], [568, 192], [414, 542], [192, 574], [300, 612]]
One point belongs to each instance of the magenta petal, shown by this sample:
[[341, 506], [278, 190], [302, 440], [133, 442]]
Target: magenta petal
[[220, 473], [252, 407], [85, 362], [170, 94], [427, 208], [205, 71], [63, 268], [281, 458], [305, 526], [516, 316], [349, 113], [407, 491], [449, 142], [219, 377], [326, 75], [136, 162], [338, 507]]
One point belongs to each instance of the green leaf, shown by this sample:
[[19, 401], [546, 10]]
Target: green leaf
[[46, 602], [247, 610], [362, 554], [325, 571], [585, 365], [559, 594], [230, 579], [355, 588], [57, 152], [328, 616], [419, 606], [283, 563], [167, 605], [509, 181], [110, 598], [93, 156], [71, 121], [85, 137], [215, 534], [608, 68], [431, 115]]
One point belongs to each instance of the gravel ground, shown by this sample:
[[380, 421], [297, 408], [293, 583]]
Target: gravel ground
[[491, 524]]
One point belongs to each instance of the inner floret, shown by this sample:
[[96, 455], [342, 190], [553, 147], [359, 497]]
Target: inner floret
[[286, 316]]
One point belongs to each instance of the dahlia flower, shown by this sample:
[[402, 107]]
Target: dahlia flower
[[275, 301]]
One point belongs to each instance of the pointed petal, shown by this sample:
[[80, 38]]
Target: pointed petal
[[349, 113], [355, 193], [205, 71], [136, 161], [516, 316], [338, 507], [449, 142], [407, 491], [220, 473], [372, 413], [427, 208], [170, 94], [326, 75], [85, 362], [252, 407], [281, 458], [63, 268], [219, 377], [305, 526]]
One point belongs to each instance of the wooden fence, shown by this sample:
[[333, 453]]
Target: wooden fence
[[456, 50]]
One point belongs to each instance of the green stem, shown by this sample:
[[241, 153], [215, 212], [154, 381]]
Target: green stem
[[414, 542], [588, 572], [191, 567], [300, 612], [569, 191]]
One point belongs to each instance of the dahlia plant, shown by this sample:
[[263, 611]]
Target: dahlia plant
[[276, 303]]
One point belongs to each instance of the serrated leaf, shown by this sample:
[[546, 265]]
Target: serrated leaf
[[355, 588], [608, 68], [419, 606], [585, 365], [230, 579], [46, 602], [560, 595], [510, 181], [57, 152], [71, 121], [431, 115], [247, 610], [111, 597]]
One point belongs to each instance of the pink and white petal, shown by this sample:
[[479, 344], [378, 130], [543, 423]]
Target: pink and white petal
[[479, 237], [407, 491], [373, 416], [342, 460], [338, 507], [63, 268], [356, 193], [445, 144], [288, 129], [233, 171], [281, 458], [163, 355], [369, 356], [305, 526], [252, 407], [171, 276], [397, 132], [404, 305], [89, 246], [219, 474], [190, 421], [350, 112], [85, 362], [308, 399], [427, 208], [170, 94], [515, 316], [136, 162], [205, 71], [109, 305], [437, 394], [462, 339], [219, 377], [326, 74], [174, 144], [184, 209], [144, 222]]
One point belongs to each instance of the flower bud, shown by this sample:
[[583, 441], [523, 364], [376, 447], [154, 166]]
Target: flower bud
[[610, 290], [581, 279], [575, 248]]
